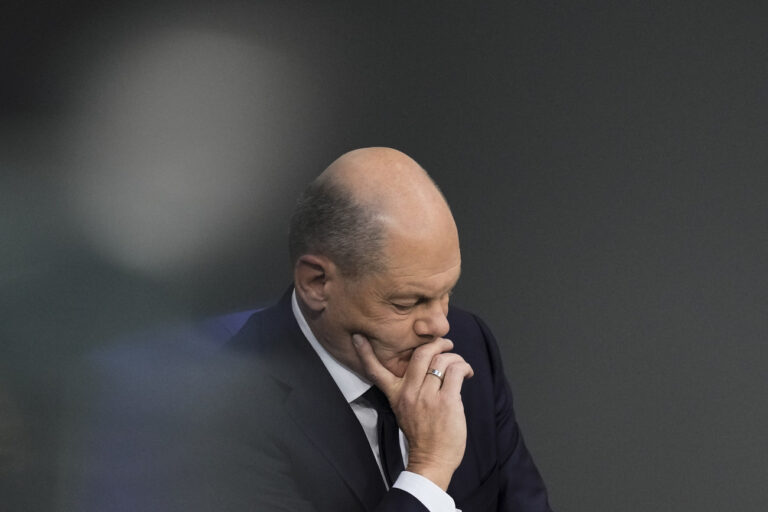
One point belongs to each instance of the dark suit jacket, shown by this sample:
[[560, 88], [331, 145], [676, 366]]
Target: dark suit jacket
[[311, 450]]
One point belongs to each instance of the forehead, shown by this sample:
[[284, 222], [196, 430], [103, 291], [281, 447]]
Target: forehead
[[420, 266]]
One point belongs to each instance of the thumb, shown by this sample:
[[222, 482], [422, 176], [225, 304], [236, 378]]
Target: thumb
[[374, 370]]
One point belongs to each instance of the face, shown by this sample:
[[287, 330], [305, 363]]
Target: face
[[399, 309]]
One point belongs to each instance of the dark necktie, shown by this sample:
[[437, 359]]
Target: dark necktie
[[389, 437]]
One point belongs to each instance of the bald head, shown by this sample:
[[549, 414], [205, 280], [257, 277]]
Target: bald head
[[363, 199], [391, 184]]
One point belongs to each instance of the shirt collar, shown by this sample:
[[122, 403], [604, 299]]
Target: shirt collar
[[351, 385]]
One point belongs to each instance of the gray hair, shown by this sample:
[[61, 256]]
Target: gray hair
[[328, 221]]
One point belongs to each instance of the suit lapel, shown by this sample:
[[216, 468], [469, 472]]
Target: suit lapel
[[336, 433], [317, 406]]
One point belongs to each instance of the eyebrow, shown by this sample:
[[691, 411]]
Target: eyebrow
[[418, 295]]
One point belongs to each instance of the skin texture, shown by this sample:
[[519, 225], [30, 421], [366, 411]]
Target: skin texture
[[389, 326]]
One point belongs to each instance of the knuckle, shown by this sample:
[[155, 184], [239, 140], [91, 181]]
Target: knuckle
[[440, 360], [458, 369], [454, 366], [456, 359]]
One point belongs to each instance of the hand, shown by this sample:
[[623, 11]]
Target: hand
[[429, 411]]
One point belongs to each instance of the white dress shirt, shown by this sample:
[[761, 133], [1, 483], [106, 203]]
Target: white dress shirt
[[352, 386]]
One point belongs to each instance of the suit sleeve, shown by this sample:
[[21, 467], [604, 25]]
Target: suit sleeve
[[274, 489], [521, 488]]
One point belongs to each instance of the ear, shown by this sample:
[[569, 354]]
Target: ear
[[311, 277]]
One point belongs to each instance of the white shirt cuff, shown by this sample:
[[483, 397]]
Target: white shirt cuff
[[426, 491]]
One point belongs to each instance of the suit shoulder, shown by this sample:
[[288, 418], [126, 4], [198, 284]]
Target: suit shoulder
[[466, 323], [473, 339], [258, 331]]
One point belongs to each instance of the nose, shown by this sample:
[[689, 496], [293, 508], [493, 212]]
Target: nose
[[433, 321]]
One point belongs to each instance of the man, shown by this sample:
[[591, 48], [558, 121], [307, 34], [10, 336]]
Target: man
[[376, 254]]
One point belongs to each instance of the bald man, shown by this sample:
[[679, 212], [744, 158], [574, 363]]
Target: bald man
[[380, 395]]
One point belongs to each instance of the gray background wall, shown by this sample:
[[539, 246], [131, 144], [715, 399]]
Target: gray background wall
[[606, 163]]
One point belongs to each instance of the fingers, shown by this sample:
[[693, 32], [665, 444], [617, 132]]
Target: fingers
[[454, 376], [374, 370], [440, 362], [421, 359], [428, 356]]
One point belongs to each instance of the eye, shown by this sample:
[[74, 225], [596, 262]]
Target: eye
[[403, 308]]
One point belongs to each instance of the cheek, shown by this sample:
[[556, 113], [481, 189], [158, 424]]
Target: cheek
[[393, 359], [394, 345]]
